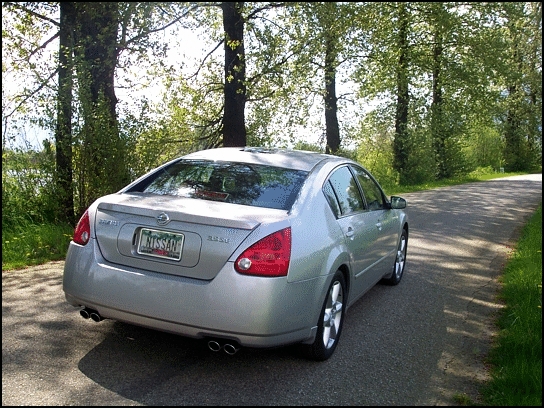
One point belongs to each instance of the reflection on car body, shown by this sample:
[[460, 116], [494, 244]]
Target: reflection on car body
[[240, 246]]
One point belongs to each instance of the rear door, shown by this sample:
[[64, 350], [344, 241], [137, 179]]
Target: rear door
[[358, 225]]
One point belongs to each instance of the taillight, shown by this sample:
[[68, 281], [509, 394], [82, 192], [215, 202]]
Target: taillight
[[269, 256], [82, 232]]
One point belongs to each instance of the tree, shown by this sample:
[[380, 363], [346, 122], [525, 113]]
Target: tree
[[63, 131], [386, 72], [234, 127], [324, 41], [226, 124], [400, 143], [438, 129], [103, 165], [330, 30], [523, 103], [332, 129], [444, 80], [90, 149]]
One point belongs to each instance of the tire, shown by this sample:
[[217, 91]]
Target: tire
[[331, 320], [400, 261]]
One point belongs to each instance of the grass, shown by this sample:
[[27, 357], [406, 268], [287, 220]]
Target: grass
[[515, 361], [396, 190], [516, 358], [30, 244]]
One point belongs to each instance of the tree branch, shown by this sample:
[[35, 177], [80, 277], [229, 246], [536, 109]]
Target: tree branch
[[27, 10], [205, 58], [146, 33], [31, 94]]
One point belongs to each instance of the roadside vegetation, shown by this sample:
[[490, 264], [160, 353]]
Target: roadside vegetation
[[419, 91], [516, 359], [26, 244]]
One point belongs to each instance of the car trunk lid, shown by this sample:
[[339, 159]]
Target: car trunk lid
[[174, 235]]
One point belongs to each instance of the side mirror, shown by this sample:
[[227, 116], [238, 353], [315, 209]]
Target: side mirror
[[398, 203]]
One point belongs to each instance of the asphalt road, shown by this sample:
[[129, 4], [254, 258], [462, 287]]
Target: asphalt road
[[418, 343]]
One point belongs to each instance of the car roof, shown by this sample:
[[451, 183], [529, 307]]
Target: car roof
[[278, 157]]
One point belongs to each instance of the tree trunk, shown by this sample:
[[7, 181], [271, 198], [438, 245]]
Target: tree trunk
[[103, 157], [234, 127], [331, 105], [513, 156], [98, 36], [400, 143], [437, 130], [63, 132]]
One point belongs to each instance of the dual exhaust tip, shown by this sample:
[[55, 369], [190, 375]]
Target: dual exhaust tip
[[87, 313], [214, 345], [229, 348]]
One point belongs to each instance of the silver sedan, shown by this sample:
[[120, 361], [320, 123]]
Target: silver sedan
[[239, 246]]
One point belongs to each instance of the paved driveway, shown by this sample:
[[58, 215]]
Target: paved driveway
[[418, 343]]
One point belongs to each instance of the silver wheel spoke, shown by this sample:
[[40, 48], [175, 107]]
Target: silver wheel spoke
[[333, 315], [335, 289], [399, 264]]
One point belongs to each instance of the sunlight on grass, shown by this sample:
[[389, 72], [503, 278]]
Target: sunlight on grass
[[31, 244], [462, 399], [516, 359], [397, 190]]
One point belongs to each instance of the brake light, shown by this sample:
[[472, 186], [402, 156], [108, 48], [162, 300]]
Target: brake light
[[82, 232], [268, 257]]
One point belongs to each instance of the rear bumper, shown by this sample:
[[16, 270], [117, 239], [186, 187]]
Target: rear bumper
[[253, 311]]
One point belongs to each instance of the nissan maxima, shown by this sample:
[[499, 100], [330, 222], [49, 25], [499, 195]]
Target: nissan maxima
[[240, 247]]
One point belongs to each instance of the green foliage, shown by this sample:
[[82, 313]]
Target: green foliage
[[160, 142], [301, 145], [462, 399], [100, 156], [457, 88], [483, 147], [375, 148], [420, 164], [28, 243], [28, 193], [516, 359], [521, 115]]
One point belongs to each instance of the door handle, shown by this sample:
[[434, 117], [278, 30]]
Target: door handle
[[350, 232]]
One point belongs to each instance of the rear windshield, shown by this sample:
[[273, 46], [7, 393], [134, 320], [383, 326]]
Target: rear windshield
[[238, 183]]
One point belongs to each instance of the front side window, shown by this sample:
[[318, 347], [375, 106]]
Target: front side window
[[371, 191], [238, 183], [346, 191]]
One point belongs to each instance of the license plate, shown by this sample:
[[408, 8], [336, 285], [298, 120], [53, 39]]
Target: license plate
[[160, 244]]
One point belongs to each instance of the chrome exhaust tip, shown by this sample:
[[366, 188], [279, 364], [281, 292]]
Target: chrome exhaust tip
[[214, 345], [96, 317], [85, 313], [230, 349]]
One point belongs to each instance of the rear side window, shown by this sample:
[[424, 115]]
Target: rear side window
[[238, 183], [331, 198]]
